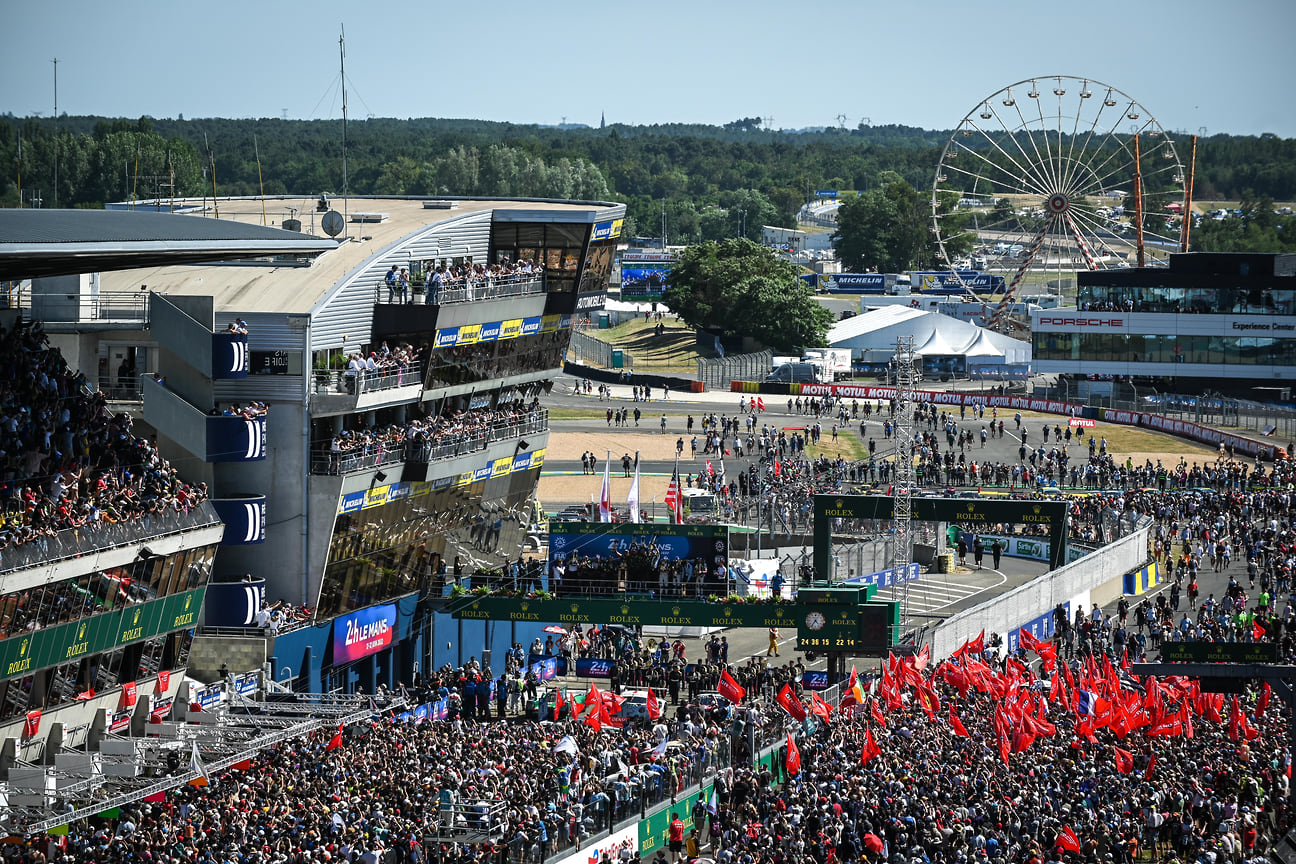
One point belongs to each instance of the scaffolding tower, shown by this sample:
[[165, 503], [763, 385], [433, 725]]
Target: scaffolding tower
[[907, 376]]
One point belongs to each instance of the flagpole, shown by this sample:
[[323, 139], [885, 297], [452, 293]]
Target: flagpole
[[605, 494], [632, 498]]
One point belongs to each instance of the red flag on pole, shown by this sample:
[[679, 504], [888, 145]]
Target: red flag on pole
[[871, 748], [654, 706], [959, 729], [1068, 840], [791, 703], [1257, 632], [558, 705], [731, 689], [1124, 760], [336, 741], [1147, 772], [793, 757]]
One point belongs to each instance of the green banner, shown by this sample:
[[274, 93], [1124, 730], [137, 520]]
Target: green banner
[[654, 831], [1219, 652], [21, 655]]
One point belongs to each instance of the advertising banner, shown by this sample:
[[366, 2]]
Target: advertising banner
[[814, 680], [1041, 627], [674, 542], [592, 667], [363, 633]]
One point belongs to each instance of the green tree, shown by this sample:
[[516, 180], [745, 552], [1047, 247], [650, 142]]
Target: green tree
[[741, 288]]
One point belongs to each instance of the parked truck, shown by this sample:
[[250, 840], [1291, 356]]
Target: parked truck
[[798, 373], [834, 363]]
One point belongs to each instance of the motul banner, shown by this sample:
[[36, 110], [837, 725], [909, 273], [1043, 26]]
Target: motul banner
[[31, 725], [129, 692]]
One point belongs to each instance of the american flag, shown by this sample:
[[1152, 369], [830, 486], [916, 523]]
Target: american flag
[[675, 500]]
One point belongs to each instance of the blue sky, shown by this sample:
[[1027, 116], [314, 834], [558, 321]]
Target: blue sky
[[1224, 66]]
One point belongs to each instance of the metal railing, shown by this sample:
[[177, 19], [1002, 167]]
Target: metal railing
[[87, 540], [719, 371], [587, 350], [100, 306], [123, 388], [425, 451], [364, 381], [465, 290]]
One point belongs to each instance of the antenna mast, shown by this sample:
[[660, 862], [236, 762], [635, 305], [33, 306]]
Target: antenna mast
[[260, 182], [56, 140], [905, 483], [342, 57]]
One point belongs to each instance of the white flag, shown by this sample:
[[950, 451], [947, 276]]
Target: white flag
[[566, 745], [632, 499], [605, 494], [660, 750]]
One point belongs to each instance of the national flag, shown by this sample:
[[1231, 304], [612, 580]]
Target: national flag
[[871, 749], [1068, 841], [957, 724], [674, 498], [713, 805], [334, 742], [854, 689], [791, 703], [632, 498], [731, 689], [1086, 703], [654, 706], [605, 494], [1124, 760], [793, 757], [760, 404], [709, 468]]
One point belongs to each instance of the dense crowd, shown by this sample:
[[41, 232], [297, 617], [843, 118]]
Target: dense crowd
[[67, 461], [439, 436], [449, 283]]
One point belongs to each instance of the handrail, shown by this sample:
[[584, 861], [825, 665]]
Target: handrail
[[343, 381], [467, 289], [88, 540], [323, 461]]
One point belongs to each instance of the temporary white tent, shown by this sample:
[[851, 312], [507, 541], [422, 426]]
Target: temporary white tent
[[871, 337]]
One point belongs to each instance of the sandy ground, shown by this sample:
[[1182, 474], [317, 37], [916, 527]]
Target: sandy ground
[[578, 487]]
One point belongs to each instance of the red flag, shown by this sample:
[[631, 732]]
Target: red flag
[[821, 709], [156, 798], [31, 724], [242, 765], [129, 692], [877, 712], [654, 706], [777, 468], [1124, 760], [86, 694], [558, 705], [955, 722], [1147, 772], [791, 703], [793, 757], [1263, 702], [922, 658], [1257, 632], [1068, 840], [731, 689], [973, 646], [164, 680], [336, 741], [870, 748], [760, 404]]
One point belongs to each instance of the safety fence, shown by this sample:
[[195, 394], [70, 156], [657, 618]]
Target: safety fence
[[587, 350], [717, 372]]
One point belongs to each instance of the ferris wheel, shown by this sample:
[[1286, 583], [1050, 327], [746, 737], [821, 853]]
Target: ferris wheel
[[1047, 177]]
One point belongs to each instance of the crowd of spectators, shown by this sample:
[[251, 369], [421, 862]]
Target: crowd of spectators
[[384, 367], [67, 461], [436, 437], [451, 283]]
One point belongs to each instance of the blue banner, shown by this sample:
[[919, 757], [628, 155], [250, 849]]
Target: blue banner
[[230, 358], [887, 578], [593, 667], [1041, 627], [814, 680], [363, 633], [244, 519], [236, 439]]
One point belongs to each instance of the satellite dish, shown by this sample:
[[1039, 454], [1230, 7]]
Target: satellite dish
[[332, 223]]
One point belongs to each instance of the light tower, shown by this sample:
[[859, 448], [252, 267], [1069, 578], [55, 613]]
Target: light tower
[[904, 485]]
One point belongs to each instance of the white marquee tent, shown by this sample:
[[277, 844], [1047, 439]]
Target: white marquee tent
[[871, 337]]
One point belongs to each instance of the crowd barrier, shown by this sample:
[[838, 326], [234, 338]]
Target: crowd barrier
[[1182, 428]]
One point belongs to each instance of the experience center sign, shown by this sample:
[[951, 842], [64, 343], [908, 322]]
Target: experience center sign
[[960, 511]]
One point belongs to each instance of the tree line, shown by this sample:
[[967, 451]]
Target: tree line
[[711, 181]]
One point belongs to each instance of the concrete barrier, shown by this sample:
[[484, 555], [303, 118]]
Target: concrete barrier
[[1098, 578]]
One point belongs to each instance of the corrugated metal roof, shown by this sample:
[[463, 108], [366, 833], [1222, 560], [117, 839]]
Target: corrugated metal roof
[[36, 243]]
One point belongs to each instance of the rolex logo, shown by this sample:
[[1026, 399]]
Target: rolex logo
[[840, 503], [188, 600], [137, 615], [81, 632], [22, 649], [575, 607], [1037, 508], [525, 605], [625, 610], [778, 612], [675, 610], [728, 612]]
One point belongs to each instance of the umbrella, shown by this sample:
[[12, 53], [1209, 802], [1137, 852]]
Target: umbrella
[[554, 628], [873, 843]]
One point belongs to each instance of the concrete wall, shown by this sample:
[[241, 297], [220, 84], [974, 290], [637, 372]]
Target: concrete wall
[[1096, 578]]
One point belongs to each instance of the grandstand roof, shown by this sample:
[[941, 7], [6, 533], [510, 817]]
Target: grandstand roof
[[37, 243], [291, 289]]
